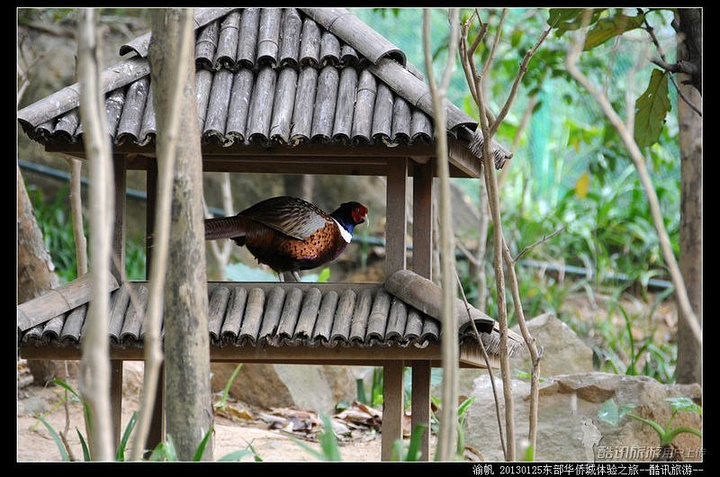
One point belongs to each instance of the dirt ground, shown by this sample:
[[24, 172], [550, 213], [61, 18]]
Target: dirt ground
[[273, 435]]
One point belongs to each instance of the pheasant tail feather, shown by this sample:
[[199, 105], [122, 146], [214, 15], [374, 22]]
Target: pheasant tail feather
[[224, 227]]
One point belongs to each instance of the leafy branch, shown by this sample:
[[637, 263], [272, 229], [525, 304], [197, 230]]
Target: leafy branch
[[639, 160]]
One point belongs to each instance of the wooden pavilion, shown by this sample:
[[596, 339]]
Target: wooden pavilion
[[282, 91]]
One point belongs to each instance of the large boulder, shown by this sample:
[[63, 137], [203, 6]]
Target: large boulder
[[309, 387], [568, 425], [563, 352]]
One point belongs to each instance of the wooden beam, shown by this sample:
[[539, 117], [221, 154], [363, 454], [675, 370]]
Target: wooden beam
[[396, 216], [461, 158], [333, 159], [421, 404], [392, 407], [338, 355], [333, 150], [295, 165]]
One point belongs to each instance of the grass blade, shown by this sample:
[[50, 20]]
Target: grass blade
[[58, 440], [126, 437], [235, 455], [201, 447], [85, 448]]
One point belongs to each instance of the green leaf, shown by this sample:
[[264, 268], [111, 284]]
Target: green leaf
[[235, 455], [413, 451], [608, 28], [226, 392], [611, 413], [83, 444], [126, 437], [328, 441], [165, 451], [683, 403], [464, 408], [197, 457], [516, 37], [651, 108], [324, 275], [569, 19], [56, 437]]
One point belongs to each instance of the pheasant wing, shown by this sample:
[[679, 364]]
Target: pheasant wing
[[291, 216]]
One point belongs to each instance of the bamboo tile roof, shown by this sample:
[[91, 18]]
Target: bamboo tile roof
[[256, 315], [270, 76]]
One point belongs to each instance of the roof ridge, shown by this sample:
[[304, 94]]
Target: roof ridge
[[203, 16]]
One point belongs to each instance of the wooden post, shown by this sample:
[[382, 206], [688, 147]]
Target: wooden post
[[396, 225], [392, 407], [116, 394], [117, 267], [151, 190], [156, 433], [157, 428], [422, 265], [422, 219], [395, 246], [421, 403]]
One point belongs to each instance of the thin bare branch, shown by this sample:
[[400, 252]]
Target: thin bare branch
[[77, 215], [486, 358], [496, 42], [468, 253], [468, 67], [521, 72], [494, 205], [532, 348], [488, 127], [480, 35], [545, 238]]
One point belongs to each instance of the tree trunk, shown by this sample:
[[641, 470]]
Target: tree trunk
[[35, 269], [188, 408], [689, 362]]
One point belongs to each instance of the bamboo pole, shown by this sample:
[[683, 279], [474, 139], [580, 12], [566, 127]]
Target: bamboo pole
[[95, 365], [447, 440]]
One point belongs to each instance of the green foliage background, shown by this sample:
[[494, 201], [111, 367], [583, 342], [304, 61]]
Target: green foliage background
[[570, 168]]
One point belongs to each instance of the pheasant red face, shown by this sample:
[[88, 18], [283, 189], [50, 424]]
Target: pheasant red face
[[359, 213]]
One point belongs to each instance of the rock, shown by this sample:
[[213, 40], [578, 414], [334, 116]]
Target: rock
[[309, 387], [568, 425], [563, 352]]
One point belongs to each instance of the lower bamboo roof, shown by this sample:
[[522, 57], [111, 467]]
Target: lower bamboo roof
[[260, 320]]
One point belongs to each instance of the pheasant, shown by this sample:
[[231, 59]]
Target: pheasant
[[289, 234]]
